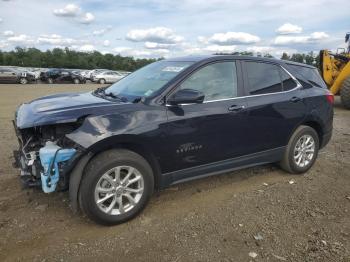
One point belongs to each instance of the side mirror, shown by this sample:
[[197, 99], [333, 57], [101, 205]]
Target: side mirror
[[186, 96]]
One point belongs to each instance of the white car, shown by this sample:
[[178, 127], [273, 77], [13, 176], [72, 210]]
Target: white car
[[107, 77]]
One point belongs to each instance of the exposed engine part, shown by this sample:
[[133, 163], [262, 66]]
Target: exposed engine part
[[43, 155], [50, 156]]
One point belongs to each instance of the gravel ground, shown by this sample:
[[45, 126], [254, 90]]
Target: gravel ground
[[256, 214]]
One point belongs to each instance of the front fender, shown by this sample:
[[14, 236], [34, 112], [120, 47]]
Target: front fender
[[143, 126]]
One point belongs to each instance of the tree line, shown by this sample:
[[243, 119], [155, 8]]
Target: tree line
[[66, 58]]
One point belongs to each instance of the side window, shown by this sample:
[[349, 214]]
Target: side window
[[216, 81], [263, 78], [287, 82]]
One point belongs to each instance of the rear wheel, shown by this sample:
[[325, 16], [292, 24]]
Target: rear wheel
[[102, 81], [301, 151], [50, 80], [345, 93], [76, 81], [116, 186], [23, 81]]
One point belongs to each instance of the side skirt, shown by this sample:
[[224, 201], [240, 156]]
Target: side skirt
[[224, 166]]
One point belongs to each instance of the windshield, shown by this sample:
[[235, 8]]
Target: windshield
[[147, 80]]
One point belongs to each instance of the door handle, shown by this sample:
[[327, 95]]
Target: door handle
[[295, 99], [236, 108]]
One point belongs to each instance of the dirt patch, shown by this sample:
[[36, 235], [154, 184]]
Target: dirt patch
[[259, 212]]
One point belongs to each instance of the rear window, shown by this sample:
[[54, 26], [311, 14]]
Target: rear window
[[310, 74]]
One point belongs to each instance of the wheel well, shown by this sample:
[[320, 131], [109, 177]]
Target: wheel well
[[142, 151], [317, 128]]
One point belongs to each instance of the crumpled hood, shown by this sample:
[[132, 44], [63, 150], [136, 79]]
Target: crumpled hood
[[61, 108]]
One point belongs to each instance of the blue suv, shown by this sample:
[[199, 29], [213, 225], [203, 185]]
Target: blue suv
[[172, 121]]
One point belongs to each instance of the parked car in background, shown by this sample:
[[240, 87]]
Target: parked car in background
[[61, 76], [92, 73], [124, 73], [14, 75], [172, 121], [34, 71], [85, 74], [107, 77]]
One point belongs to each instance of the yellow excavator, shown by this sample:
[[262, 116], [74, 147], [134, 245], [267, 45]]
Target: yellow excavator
[[335, 70]]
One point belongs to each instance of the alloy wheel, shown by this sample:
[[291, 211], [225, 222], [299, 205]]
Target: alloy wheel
[[304, 151], [119, 190]]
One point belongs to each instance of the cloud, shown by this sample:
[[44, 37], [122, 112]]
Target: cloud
[[20, 39], [140, 53], [87, 18], [152, 45], [106, 43], [59, 41], [56, 40], [72, 10], [69, 10], [8, 33], [318, 36], [288, 28], [261, 49], [87, 48], [312, 38], [220, 49], [3, 44], [102, 31], [156, 34], [231, 38]]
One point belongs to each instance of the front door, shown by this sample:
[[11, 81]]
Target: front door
[[201, 134]]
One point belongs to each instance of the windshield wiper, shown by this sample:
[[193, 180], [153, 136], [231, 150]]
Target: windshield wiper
[[112, 95], [102, 92], [137, 100]]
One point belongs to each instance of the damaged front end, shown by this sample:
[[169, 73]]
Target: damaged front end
[[46, 155]]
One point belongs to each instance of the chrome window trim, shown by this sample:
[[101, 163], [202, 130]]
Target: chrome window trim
[[298, 86]]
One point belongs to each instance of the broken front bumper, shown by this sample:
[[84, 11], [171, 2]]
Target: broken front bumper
[[46, 167], [29, 171]]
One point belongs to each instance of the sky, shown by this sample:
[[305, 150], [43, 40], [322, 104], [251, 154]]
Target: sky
[[158, 28]]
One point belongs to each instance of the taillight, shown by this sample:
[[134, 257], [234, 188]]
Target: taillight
[[330, 98]]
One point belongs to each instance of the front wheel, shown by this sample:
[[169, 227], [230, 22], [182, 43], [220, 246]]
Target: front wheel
[[50, 80], [23, 81], [301, 151], [76, 81], [102, 81], [116, 186]]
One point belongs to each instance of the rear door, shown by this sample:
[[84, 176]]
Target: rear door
[[214, 130], [275, 105]]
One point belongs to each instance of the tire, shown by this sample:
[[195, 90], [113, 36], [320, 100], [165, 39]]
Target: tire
[[76, 81], [23, 81], [290, 159], [50, 80], [345, 93], [102, 81], [101, 167]]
